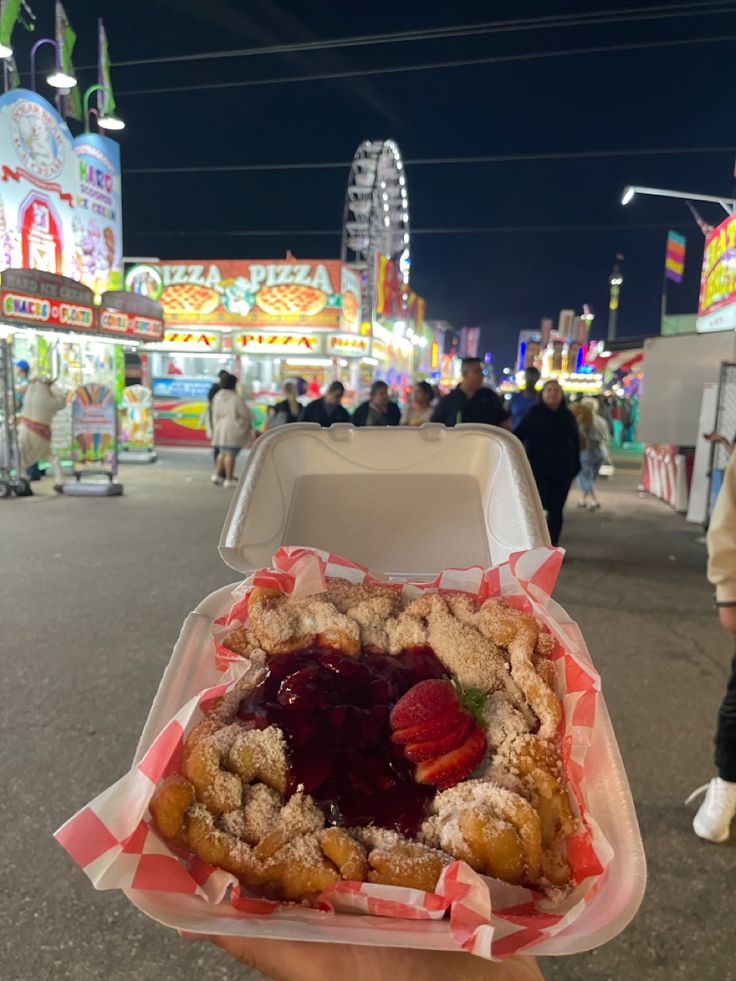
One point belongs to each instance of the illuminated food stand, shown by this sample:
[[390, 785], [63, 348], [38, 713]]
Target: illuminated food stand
[[266, 321]]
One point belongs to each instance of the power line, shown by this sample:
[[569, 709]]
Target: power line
[[433, 66], [481, 230], [435, 161], [548, 22]]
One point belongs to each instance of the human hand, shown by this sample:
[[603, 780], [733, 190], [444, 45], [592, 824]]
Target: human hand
[[715, 438], [290, 960], [727, 616]]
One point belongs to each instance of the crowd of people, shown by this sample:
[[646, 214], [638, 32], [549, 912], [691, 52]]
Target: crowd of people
[[563, 442]]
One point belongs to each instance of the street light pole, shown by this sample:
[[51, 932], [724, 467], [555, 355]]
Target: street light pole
[[614, 281], [631, 190], [106, 121]]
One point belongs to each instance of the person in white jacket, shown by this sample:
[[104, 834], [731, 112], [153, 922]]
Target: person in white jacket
[[232, 426], [714, 817]]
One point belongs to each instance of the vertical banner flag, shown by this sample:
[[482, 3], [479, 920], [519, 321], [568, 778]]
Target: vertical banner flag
[[105, 97], [69, 105], [13, 75], [674, 263], [9, 12]]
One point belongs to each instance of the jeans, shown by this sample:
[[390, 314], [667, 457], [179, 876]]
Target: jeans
[[726, 731], [590, 463], [553, 492]]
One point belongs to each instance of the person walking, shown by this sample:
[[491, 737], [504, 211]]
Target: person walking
[[288, 410], [419, 410], [549, 433], [713, 819], [625, 416], [592, 438], [523, 400], [206, 419], [379, 410], [471, 401], [329, 408], [232, 426]]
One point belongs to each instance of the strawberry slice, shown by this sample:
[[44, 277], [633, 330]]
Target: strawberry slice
[[450, 768], [435, 728], [424, 701], [417, 752]]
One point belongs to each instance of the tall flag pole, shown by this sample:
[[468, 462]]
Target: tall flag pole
[[105, 97], [66, 38], [702, 224]]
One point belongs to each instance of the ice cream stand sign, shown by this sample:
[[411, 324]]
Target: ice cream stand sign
[[60, 209], [94, 429], [135, 418]]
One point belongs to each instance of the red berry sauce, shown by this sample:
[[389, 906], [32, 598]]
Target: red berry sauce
[[334, 713]]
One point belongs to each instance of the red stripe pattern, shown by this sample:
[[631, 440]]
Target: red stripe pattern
[[113, 841]]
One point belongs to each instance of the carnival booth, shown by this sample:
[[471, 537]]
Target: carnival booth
[[265, 321], [56, 327], [61, 252]]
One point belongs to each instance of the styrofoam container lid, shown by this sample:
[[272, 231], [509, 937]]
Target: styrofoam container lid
[[408, 501]]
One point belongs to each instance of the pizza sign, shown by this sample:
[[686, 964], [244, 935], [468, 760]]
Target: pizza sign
[[260, 342], [203, 340], [282, 294], [348, 345]]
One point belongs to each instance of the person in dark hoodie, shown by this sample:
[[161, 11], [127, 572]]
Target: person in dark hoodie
[[379, 410], [549, 433], [329, 408], [471, 401]]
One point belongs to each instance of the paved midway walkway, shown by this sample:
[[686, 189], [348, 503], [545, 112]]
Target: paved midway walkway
[[93, 596]]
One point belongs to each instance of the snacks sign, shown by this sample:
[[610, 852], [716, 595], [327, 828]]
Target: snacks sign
[[288, 293], [717, 307], [42, 299]]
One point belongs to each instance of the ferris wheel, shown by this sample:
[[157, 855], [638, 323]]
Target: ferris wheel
[[376, 213]]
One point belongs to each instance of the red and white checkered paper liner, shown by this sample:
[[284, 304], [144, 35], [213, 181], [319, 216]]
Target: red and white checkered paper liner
[[113, 841]]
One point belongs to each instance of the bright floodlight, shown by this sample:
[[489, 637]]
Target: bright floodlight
[[60, 80], [110, 122], [5, 51], [628, 194]]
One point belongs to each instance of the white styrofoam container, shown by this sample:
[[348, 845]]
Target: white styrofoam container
[[483, 506], [402, 501]]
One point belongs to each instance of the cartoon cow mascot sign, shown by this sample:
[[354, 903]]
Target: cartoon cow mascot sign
[[40, 404]]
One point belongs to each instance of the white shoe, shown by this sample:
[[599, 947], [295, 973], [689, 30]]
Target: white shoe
[[713, 820], [230, 483], [217, 480]]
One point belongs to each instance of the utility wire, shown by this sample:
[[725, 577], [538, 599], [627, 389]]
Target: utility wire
[[483, 230], [548, 22], [435, 161], [433, 66]]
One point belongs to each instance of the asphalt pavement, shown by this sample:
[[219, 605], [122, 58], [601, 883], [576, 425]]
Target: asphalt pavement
[[93, 595]]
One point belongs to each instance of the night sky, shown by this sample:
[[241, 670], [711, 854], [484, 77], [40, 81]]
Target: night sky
[[501, 280]]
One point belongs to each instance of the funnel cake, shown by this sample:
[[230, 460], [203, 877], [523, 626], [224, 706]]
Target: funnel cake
[[375, 739]]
